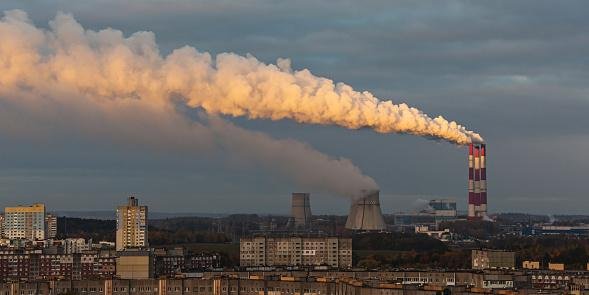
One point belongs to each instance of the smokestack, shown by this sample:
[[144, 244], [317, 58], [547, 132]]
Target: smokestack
[[301, 209], [483, 185], [471, 197], [477, 182], [365, 213]]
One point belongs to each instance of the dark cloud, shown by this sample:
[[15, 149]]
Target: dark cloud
[[515, 71]]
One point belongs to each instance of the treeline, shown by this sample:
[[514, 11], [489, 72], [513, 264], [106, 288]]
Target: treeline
[[572, 251], [184, 235], [482, 230], [165, 232], [406, 250], [95, 229], [398, 242]]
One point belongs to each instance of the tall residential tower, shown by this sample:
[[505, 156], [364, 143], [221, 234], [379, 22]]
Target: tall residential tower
[[25, 222], [131, 225]]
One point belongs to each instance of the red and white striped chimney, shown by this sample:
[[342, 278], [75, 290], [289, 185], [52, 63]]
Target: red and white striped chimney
[[483, 185], [471, 196], [477, 181]]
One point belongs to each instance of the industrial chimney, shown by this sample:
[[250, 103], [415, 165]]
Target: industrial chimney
[[477, 182], [301, 210], [365, 213]]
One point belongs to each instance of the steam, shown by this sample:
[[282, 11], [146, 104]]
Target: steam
[[66, 83], [69, 81], [226, 84]]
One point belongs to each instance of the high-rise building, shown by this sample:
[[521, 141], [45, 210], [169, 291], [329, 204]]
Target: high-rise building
[[50, 226], [131, 225], [25, 222]]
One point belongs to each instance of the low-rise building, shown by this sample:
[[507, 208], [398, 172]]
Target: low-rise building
[[135, 264], [531, 264], [493, 259], [556, 266]]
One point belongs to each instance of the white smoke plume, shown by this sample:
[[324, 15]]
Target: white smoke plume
[[105, 63], [68, 82]]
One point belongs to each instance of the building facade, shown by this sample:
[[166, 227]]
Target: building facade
[[131, 225], [25, 222], [50, 226], [332, 252], [493, 259]]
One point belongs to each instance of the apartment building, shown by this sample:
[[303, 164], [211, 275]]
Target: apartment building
[[131, 225], [25, 222], [50, 226], [332, 252]]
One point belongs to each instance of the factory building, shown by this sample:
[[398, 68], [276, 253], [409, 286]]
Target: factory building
[[131, 225], [301, 210], [477, 182], [332, 252], [443, 208], [365, 213]]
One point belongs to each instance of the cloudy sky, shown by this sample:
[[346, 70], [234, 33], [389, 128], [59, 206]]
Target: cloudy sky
[[516, 72]]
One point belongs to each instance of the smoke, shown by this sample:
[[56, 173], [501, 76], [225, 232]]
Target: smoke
[[229, 84], [421, 205], [69, 83]]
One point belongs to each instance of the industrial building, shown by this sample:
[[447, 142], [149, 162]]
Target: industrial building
[[301, 210], [332, 252], [436, 211], [365, 213], [131, 225], [493, 259], [443, 208], [477, 182], [549, 229]]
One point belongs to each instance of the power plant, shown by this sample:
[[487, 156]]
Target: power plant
[[477, 182], [365, 213], [301, 210]]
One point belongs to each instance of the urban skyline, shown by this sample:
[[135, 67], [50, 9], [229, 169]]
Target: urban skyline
[[262, 147]]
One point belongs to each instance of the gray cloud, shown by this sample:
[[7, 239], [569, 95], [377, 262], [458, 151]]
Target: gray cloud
[[515, 71]]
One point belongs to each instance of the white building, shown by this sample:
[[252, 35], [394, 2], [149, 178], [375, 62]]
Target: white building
[[72, 246], [131, 225]]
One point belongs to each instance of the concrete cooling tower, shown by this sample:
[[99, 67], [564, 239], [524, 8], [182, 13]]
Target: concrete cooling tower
[[301, 209], [365, 213]]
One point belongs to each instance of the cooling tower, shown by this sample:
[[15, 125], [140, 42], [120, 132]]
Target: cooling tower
[[365, 213], [301, 209]]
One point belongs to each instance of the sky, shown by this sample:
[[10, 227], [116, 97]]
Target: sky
[[515, 72]]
